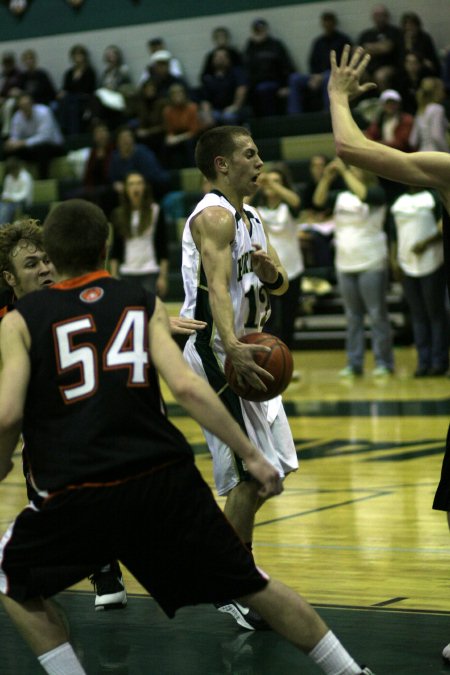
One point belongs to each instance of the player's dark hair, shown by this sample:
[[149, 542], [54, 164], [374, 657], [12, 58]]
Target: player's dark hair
[[218, 141], [26, 230], [75, 235]]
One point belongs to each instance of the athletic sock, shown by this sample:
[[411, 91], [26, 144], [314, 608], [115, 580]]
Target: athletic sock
[[333, 658], [61, 661]]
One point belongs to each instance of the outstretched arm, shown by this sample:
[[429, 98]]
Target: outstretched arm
[[427, 169]]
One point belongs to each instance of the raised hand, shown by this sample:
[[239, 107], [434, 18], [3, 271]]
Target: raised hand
[[346, 77]]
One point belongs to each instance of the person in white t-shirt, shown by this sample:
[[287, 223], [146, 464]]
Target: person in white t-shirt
[[139, 252], [17, 192], [279, 204], [361, 262], [420, 256]]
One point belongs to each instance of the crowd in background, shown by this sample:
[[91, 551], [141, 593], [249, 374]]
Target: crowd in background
[[148, 127]]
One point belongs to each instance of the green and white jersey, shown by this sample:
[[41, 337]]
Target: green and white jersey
[[249, 297]]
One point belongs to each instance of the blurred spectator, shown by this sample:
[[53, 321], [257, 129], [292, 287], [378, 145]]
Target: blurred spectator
[[383, 43], [181, 126], [412, 72], [35, 134], [279, 205], [303, 87], [34, 80], [149, 124], [110, 100], [9, 90], [420, 257], [129, 157], [158, 44], [317, 224], [429, 131], [17, 192], [139, 252], [268, 65], [415, 39], [158, 70], [79, 84], [96, 184], [361, 262], [223, 91], [221, 38], [392, 126]]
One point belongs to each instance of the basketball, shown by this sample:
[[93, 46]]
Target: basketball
[[278, 362]]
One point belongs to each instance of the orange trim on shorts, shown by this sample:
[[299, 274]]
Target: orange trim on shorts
[[112, 483], [76, 282]]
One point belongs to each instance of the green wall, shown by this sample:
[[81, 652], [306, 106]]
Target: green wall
[[52, 17]]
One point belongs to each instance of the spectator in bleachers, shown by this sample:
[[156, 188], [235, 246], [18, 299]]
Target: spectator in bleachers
[[17, 191], [149, 123], [429, 131], [412, 72], [79, 84], [34, 80], [383, 43], [279, 205], [392, 126], [361, 262], [419, 255], [129, 157], [304, 87], [224, 90], [96, 186], [268, 65], [415, 39], [140, 252], [181, 127], [9, 90], [157, 44], [110, 101], [221, 38], [158, 70], [35, 135]]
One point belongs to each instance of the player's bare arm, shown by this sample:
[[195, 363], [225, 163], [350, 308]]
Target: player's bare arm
[[14, 378], [195, 394], [213, 231], [428, 169]]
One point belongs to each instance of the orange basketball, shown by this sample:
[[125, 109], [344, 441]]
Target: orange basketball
[[278, 362]]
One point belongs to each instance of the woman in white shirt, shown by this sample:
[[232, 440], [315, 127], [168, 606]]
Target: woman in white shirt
[[420, 257], [361, 262], [430, 126], [139, 251], [278, 205], [17, 191]]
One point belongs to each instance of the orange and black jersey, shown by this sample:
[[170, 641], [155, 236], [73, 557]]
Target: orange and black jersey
[[93, 411], [7, 301]]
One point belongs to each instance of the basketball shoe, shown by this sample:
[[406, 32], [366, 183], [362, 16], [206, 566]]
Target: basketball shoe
[[366, 671], [109, 587], [446, 654], [244, 616]]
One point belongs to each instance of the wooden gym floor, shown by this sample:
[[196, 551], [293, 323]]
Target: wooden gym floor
[[354, 532]]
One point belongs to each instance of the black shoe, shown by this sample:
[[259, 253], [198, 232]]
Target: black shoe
[[109, 588], [247, 618]]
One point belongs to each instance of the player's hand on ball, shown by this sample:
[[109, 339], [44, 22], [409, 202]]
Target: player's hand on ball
[[242, 356]]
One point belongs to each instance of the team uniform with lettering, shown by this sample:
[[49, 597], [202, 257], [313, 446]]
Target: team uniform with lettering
[[264, 423], [104, 457]]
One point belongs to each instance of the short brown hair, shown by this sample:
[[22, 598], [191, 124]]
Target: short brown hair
[[75, 234], [218, 141]]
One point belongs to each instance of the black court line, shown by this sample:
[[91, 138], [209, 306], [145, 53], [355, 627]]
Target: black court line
[[300, 514], [392, 601]]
